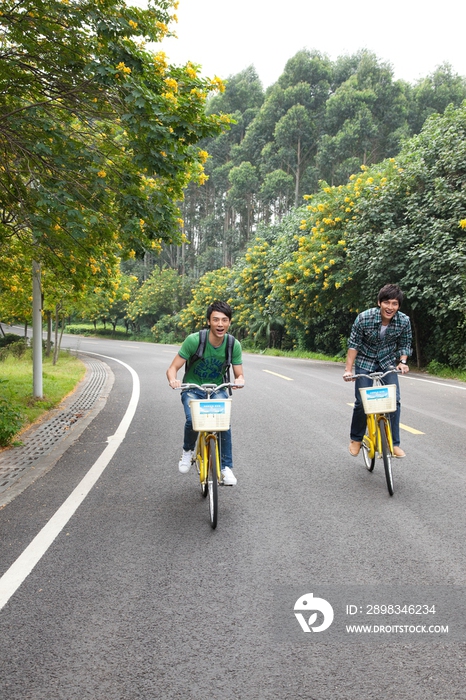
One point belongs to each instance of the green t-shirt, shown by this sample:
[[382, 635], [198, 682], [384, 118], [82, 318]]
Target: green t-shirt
[[208, 370]]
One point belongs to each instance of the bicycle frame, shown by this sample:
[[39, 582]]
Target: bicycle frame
[[202, 454], [373, 439]]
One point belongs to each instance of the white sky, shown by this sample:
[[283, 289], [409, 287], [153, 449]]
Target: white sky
[[226, 37]]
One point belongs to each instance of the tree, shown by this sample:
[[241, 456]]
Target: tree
[[295, 138], [421, 205], [163, 293], [212, 286], [207, 211], [433, 94], [277, 194], [98, 137], [365, 121], [244, 185]]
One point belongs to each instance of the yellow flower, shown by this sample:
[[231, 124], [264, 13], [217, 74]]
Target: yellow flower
[[463, 223], [163, 27], [170, 97], [218, 84], [132, 24], [160, 59], [124, 69], [102, 173], [172, 84]]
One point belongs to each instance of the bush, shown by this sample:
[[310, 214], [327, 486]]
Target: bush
[[10, 422], [9, 338], [16, 348], [87, 329], [167, 330]]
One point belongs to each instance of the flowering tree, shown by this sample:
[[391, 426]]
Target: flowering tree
[[98, 136], [412, 231], [213, 286], [161, 294]]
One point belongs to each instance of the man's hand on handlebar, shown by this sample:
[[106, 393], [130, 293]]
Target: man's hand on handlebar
[[174, 383]]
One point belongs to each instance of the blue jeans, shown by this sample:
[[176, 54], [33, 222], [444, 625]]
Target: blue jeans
[[358, 423], [190, 435]]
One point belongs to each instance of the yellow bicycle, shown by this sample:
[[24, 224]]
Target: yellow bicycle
[[209, 418], [379, 400]]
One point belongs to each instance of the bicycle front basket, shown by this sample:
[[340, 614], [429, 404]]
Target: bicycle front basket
[[210, 414], [379, 399]]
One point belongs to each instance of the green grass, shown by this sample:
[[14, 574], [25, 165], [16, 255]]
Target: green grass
[[300, 354], [445, 372], [16, 384]]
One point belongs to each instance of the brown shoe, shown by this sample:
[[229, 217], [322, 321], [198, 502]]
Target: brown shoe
[[354, 448], [398, 452]]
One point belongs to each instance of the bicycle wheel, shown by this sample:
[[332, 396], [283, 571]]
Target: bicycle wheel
[[212, 478], [387, 461]]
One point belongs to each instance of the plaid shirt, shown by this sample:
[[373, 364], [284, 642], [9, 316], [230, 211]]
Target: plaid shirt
[[375, 351]]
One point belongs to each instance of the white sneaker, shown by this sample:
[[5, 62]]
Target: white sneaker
[[229, 479], [185, 462]]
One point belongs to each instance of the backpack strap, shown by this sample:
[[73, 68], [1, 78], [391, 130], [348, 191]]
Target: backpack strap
[[228, 358]]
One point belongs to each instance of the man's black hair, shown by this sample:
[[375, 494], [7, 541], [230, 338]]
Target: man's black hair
[[221, 306], [390, 291]]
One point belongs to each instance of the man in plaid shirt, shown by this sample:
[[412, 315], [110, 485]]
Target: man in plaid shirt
[[380, 339]]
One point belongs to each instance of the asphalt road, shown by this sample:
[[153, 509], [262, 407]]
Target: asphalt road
[[134, 596]]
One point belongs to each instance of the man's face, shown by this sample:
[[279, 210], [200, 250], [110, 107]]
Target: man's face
[[388, 309], [219, 325]]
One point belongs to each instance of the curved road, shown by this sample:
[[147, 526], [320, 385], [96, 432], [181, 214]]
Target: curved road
[[133, 596]]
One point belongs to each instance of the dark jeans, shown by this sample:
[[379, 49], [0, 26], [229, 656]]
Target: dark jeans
[[190, 435], [358, 423]]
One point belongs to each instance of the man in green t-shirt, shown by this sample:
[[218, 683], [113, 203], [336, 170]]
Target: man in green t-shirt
[[207, 370]]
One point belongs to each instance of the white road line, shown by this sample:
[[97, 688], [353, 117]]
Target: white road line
[[438, 383], [22, 567]]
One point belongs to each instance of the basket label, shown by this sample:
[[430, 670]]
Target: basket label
[[378, 393], [209, 407]]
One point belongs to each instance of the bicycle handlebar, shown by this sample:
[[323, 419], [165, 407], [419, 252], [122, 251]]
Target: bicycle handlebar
[[376, 375], [211, 388]]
